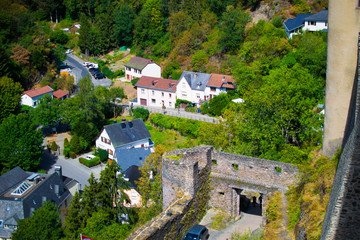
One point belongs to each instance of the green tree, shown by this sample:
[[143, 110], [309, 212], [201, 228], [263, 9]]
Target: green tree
[[233, 23], [20, 143], [105, 28], [10, 95], [59, 36], [43, 224], [47, 112], [124, 25], [218, 103], [72, 220], [140, 112], [150, 185]]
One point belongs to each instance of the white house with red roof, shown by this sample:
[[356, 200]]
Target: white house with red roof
[[32, 97], [138, 67], [156, 92], [61, 94], [218, 83]]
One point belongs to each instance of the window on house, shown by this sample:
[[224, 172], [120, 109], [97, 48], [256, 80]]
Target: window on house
[[153, 92], [325, 24], [153, 100], [169, 95], [162, 94], [213, 89], [198, 95], [312, 23], [170, 104], [142, 90], [139, 71], [110, 152]]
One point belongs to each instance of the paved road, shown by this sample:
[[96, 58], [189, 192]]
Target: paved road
[[80, 71]]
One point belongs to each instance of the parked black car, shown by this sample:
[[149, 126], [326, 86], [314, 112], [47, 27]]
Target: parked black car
[[197, 232]]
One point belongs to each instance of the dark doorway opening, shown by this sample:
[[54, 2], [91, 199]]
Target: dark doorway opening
[[250, 202]]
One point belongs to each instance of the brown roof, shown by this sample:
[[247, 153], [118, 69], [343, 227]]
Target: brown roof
[[217, 80], [38, 91], [157, 83], [60, 93]]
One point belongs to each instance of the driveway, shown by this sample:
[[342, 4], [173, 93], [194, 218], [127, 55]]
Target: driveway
[[80, 71], [247, 222], [70, 167]]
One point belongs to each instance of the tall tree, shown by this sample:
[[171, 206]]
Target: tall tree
[[124, 25], [10, 95], [20, 143], [48, 111], [233, 24], [44, 224], [72, 220]]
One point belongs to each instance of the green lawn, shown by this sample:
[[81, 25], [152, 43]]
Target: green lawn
[[170, 139]]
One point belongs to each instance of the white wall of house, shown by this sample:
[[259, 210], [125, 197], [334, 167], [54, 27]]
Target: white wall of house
[[150, 70], [156, 98], [32, 102], [101, 142], [135, 198], [210, 92], [105, 145], [315, 26], [183, 90]]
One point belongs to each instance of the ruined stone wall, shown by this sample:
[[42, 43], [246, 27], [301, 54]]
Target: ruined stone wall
[[181, 171]]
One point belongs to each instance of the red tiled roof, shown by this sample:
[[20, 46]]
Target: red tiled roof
[[216, 80], [157, 83], [60, 93], [38, 91]]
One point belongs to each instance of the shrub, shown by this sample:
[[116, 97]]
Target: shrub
[[53, 146], [75, 144], [186, 127], [66, 152], [72, 154], [180, 101], [89, 163], [66, 142], [190, 109], [134, 81], [103, 155], [140, 112]]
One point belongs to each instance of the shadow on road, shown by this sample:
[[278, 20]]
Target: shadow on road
[[47, 160]]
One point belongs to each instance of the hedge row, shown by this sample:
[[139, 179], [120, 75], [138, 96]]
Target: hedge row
[[186, 127], [89, 163]]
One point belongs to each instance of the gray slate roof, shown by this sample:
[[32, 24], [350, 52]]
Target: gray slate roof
[[11, 178], [196, 80], [133, 174], [320, 16], [297, 22], [127, 132], [133, 156]]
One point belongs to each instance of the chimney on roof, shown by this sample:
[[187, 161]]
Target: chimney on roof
[[58, 170], [170, 85]]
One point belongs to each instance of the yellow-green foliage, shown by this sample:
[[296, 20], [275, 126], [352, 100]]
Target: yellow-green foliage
[[220, 220], [175, 157], [312, 194], [274, 224], [246, 236]]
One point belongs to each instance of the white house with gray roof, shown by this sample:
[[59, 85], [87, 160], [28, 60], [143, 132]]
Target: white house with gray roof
[[191, 86], [23, 192], [306, 22], [138, 67], [128, 142]]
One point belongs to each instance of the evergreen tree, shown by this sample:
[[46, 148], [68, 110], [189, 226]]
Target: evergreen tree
[[73, 221]]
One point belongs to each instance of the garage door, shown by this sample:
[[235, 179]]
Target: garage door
[[143, 102]]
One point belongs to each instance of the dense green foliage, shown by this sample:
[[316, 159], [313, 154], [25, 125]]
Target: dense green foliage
[[186, 127], [90, 163], [20, 143], [98, 211], [140, 112], [10, 95], [43, 224]]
